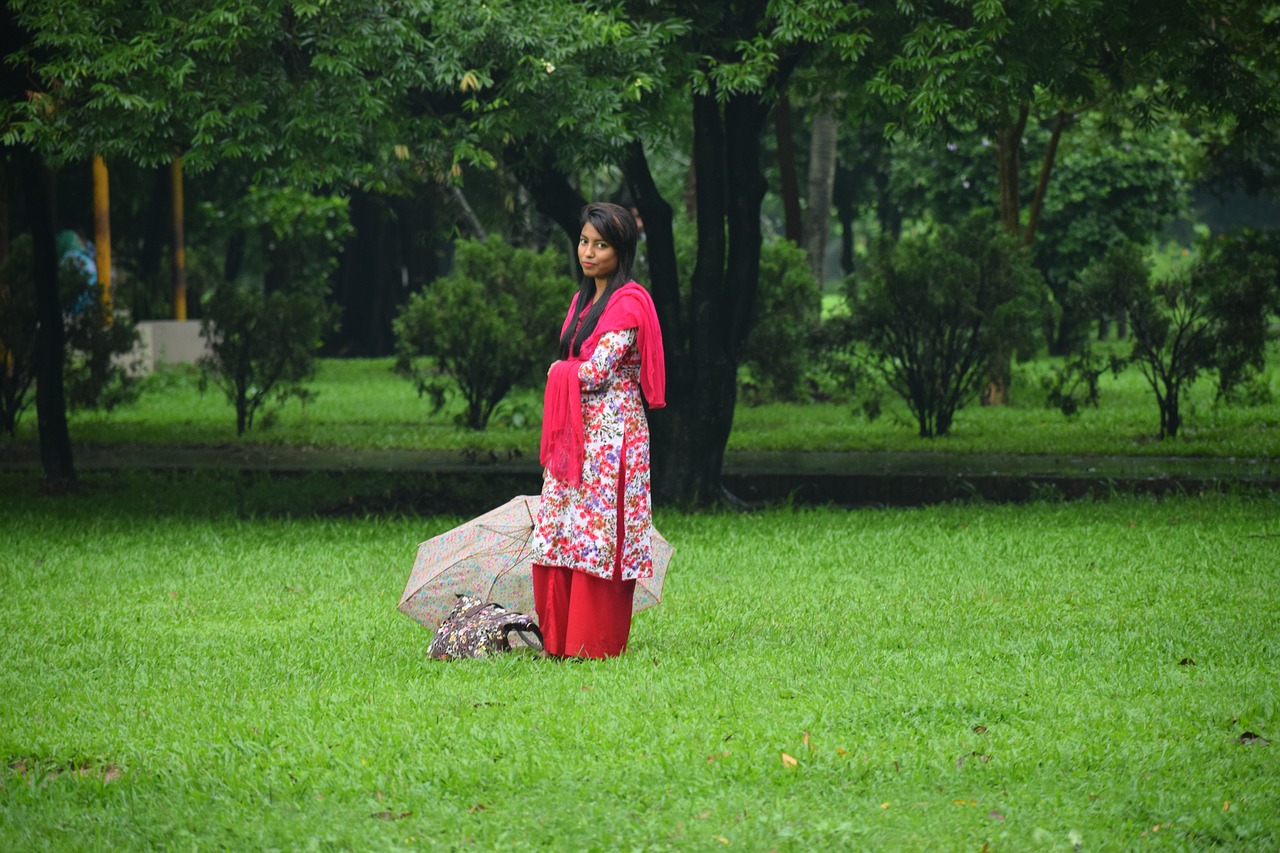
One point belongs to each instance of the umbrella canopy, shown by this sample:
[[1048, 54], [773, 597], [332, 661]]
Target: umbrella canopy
[[491, 557]]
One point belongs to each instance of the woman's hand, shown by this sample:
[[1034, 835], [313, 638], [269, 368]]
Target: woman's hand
[[552, 367]]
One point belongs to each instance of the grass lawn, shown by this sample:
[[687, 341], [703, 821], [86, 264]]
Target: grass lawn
[[362, 404], [182, 671]]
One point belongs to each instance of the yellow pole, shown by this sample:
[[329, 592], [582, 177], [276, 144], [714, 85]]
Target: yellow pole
[[179, 244], [102, 231]]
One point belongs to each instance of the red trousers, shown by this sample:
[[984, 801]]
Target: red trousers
[[582, 615]]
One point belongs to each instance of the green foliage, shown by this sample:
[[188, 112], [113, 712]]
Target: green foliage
[[1212, 316], [263, 335], [96, 372], [1245, 298], [1170, 324], [263, 345], [937, 310], [779, 350], [17, 333], [489, 326]]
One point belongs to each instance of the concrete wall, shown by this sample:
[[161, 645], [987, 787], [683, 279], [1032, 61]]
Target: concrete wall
[[169, 342]]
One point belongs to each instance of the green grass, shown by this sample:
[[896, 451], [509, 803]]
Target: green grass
[[362, 404], [1124, 423], [182, 671]]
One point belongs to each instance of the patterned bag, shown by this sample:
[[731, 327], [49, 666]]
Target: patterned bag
[[474, 629]]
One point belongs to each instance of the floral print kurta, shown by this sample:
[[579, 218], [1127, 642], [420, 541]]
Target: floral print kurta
[[577, 527]]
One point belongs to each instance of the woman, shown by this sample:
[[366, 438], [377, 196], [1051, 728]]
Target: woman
[[592, 539]]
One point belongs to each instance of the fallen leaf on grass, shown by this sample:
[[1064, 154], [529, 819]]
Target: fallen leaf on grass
[[994, 815], [722, 839], [1186, 662], [806, 741], [1251, 738], [1226, 805], [390, 815], [884, 805], [478, 807], [587, 687], [703, 816], [979, 730], [788, 761]]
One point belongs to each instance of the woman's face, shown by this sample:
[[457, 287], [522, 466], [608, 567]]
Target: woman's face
[[596, 256]]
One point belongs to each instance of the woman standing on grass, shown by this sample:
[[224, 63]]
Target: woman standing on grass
[[592, 539]]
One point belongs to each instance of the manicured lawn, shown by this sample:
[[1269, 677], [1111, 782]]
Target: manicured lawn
[[180, 670], [363, 404]]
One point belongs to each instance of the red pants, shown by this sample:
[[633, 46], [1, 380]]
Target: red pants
[[582, 615]]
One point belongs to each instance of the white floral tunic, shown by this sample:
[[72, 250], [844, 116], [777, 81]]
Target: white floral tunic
[[577, 527]]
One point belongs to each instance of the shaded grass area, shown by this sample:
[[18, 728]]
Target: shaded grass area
[[185, 666], [363, 404]]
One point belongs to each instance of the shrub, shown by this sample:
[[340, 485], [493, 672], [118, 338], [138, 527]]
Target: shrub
[[17, 333], [779, 350], [264, 330], [262, 346], [95, 374], [488, 326], [1210, 317], [1245, 266], [937, 311]]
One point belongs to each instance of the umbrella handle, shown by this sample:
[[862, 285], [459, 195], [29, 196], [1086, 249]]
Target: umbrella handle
[[531, 629]]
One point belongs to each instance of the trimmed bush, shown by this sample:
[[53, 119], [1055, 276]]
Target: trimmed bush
[[490, 325]]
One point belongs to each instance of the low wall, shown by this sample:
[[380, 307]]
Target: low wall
[[169, 342]]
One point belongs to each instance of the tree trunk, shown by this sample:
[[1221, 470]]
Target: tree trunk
[[1008, 157], [789, 184], [843, 199], [691, 433], [51, 403], [1046, 168], [822, 174], [552, 193]]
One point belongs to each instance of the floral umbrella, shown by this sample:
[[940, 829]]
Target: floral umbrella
[[491, 557]]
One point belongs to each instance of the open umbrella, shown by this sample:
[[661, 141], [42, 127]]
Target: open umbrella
[[491, 557]]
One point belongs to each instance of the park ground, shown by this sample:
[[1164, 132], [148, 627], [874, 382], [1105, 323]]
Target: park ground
[[209, 657]]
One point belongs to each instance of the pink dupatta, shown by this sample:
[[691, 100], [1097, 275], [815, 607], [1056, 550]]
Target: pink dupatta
[[563, 438]]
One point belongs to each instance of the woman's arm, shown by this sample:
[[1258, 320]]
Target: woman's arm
[[595, 372]]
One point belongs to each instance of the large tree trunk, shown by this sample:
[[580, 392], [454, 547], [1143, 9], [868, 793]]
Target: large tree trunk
[[822, 174], [691, 433], [552, 193], [51, 403]]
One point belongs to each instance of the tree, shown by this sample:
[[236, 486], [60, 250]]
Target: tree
[[936, 309], [300, 91]]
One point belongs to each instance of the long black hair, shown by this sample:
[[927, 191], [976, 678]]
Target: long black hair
[[617, 227]]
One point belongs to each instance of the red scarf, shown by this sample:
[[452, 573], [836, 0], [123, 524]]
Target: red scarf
[[563, 436]]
